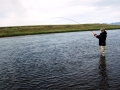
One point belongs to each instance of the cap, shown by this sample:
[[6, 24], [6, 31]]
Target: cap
[[102, 29]]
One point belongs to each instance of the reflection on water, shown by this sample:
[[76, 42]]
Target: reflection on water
[[104, 78]]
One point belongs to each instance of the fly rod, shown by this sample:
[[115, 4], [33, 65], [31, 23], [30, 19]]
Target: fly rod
[[73, 21]]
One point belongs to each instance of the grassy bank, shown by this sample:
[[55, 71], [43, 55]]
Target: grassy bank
[[44, 29]]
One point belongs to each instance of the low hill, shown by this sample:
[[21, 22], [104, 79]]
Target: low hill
[[115, 23]]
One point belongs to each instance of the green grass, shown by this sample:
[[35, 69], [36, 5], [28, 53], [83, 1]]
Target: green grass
[[45, 29]]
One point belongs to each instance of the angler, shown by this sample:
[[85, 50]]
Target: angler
[[102, 41]]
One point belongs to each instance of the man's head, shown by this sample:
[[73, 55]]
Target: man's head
[[102, 30]]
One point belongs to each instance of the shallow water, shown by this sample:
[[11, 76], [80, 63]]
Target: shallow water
[[61, 61]]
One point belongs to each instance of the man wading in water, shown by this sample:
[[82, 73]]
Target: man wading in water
[[102, 41]]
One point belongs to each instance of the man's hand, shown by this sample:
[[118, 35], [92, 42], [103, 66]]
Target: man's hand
[[95, 35]]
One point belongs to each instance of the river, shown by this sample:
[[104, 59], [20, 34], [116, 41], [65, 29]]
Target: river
[[59, 61]]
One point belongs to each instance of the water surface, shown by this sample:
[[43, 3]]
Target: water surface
[[61, 61]]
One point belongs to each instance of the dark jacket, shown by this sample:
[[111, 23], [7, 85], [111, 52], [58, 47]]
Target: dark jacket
[[102, 38]]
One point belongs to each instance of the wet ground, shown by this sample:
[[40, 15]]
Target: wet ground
[[62, 61]]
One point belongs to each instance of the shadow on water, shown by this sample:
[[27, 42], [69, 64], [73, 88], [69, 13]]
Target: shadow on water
[[103, 73]]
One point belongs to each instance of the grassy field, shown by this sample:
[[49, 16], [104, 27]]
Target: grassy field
[[45, 29]]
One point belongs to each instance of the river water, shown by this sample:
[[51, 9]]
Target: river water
[[60, 61]]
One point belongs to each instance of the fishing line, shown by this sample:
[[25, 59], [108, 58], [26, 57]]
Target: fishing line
[[67, 19], [71, 20]]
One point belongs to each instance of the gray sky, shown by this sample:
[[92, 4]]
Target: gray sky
[[42, 12]]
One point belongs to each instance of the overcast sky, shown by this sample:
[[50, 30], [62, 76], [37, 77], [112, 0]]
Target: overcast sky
[[42, 12]]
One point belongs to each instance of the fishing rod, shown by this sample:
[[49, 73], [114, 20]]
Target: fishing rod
[[93, 32], [73, 21]]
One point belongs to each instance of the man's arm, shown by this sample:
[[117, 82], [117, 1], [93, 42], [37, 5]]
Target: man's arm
[[97, 36]]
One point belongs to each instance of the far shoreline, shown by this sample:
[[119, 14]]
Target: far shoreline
[[50, 29]]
